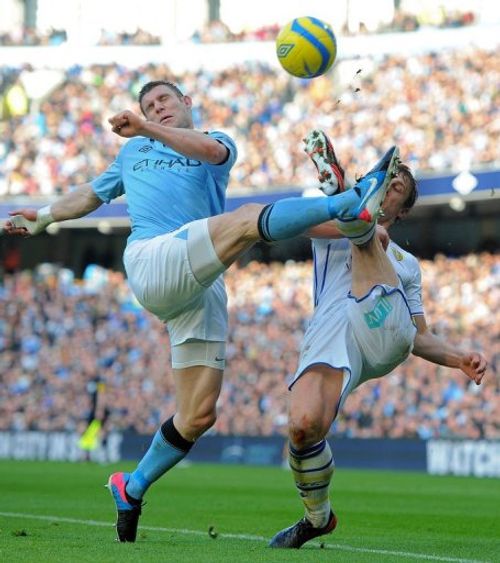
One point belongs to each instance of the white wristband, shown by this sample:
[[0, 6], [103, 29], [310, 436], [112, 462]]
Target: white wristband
[[43, 219]]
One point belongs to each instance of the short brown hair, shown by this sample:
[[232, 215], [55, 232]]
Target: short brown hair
[[407, 174], [154, 83]]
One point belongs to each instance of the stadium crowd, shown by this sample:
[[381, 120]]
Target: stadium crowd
[[217, 31], [441, 109], [28, 36], [58, 335]]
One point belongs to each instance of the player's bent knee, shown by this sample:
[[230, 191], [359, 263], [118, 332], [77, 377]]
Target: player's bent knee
[[305, 432]]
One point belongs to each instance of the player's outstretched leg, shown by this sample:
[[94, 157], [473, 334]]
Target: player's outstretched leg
[[319, 149], [290, 217], [127, 511], [360, 231], [297, 535], [373, 187]]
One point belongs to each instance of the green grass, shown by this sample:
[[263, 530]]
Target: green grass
[[383, 516]]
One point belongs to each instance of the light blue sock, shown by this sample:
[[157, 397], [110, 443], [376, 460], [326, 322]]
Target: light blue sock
[[166, 450], [290, 217]]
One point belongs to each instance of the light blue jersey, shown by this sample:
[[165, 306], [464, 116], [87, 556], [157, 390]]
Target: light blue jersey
[[165, 189]]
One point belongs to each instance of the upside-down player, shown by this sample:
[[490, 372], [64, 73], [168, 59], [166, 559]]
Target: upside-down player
[[368, 318]]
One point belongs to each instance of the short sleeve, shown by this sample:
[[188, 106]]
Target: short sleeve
[[413, 290], [230, 145], [109, 184]]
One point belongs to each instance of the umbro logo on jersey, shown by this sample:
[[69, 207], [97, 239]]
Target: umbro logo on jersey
[[146, 148]]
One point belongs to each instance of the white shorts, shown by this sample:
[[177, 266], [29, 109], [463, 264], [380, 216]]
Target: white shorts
[[177, 277], [366, 337]]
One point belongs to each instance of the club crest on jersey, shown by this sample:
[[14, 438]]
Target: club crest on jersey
[[397, 254]]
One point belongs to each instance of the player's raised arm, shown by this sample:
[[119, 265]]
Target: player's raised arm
[[436, 350], [189, 142], [77, 203], [168, 119]]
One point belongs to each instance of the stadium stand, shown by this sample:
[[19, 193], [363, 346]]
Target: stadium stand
[[442, 112], [58, 333], [217, 31]]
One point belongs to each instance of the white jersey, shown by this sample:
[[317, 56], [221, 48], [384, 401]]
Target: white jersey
[[332, 274], [365, 337]]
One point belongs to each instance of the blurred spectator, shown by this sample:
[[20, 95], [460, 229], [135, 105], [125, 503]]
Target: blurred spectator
[[214, 32], [57, 334], [15, 101], [139, 37], [30, 37], [218, 32]]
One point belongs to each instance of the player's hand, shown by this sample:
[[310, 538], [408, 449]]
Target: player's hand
[[127, 124], [22, 220], [383, 236], [474, 366]]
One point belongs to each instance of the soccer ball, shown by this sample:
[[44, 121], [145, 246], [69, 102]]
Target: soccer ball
[[306, 47]]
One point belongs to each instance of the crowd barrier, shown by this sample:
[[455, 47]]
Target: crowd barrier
[[479, 458]]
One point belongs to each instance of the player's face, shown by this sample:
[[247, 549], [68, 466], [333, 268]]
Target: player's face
[[162, 105], [395, 199]]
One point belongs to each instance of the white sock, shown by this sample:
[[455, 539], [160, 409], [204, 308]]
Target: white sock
[[358, 232], [312, 469]]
